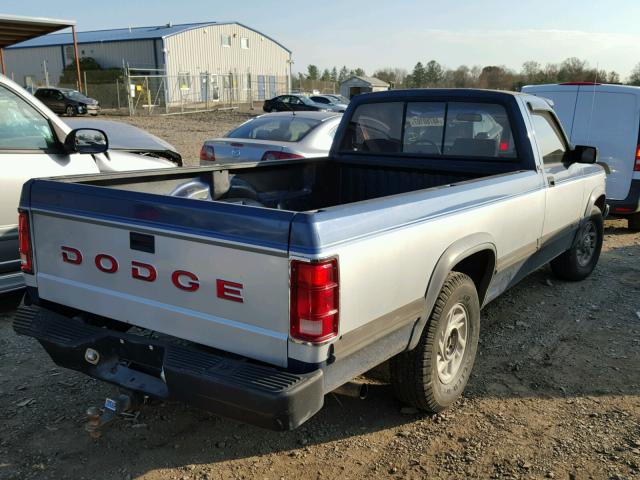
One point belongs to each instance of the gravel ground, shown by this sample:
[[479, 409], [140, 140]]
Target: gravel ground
[[555, 393]]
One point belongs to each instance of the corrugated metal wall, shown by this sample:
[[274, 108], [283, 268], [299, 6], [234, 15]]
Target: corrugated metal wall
[[28, 62], [200, 51], [138, 53]]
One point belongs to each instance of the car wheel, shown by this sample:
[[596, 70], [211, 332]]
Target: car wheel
[[580, 260], [633, 222], [433, 375], [69, 110]]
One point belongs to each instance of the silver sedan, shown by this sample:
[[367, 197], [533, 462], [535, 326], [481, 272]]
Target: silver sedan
[[275, 136]]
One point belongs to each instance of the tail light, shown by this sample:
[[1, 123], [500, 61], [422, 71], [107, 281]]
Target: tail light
[[207, 153], [636, 166], [314, 300], [275, 155], [24, 242]]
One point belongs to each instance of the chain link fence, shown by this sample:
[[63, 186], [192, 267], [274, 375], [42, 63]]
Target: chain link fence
[[134, 93]]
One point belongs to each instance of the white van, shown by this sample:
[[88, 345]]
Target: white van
[[607, 117]]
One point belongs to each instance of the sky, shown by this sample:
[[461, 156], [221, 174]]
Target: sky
[[396, 33]]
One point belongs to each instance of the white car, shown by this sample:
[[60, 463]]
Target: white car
[[34, 142], [607, 117]]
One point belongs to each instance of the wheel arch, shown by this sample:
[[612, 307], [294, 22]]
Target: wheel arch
[[474, 255], [596, 198]]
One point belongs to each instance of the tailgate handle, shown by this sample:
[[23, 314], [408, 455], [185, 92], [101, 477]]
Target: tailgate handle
[[142, 242]]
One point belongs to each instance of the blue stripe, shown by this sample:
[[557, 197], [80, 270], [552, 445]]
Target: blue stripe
[[253, 226]]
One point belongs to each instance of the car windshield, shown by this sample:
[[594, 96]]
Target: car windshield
[[306, 100], [338, 99], [275, 128], [73, 94]]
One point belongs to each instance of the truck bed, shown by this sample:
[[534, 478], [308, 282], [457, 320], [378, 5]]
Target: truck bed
[[299, 185]]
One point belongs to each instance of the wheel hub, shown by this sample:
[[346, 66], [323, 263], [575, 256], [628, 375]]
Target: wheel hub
[[452, 343], [587, 245]]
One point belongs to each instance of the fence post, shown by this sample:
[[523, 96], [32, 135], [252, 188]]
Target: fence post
[[148, 94], [118, 93], [86, 88]]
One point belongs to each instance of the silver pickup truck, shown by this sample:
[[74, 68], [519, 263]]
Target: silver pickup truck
[[252, 290]]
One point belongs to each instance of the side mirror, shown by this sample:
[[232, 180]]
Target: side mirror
[[584, 154], [86, 140]]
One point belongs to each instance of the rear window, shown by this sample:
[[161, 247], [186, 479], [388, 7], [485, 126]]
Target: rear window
[[434, 129], [278, 129]]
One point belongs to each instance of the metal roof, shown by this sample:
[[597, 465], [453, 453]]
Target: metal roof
[[124, 34], [373, 81], [15, 29]]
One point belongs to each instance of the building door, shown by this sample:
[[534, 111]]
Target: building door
[[272, 86], [261, 92]]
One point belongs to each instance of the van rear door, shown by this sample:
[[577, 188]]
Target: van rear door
[[610, 120]]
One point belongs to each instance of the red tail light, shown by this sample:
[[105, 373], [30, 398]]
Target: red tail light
[[24, 242], [207, 153], [636, 166], [314, 300], [275, 155]]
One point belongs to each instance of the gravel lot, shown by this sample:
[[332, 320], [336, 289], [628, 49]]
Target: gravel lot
[[555, 393]]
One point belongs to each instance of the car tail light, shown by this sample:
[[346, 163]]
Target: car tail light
[[623, 210], [24, 242], [314, 300], [275, 155], [636, 166], [207, 153]]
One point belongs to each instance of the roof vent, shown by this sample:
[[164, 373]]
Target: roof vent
[[169, 25]]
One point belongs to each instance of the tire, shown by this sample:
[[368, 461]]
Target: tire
[[633, 222], [578, 262], [418, 376], [69, 111]]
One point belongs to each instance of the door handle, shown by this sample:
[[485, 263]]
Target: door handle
[[552, 181]]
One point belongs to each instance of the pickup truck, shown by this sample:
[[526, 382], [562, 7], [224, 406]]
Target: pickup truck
[[253, 290]]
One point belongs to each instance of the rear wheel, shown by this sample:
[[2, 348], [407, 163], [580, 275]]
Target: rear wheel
[[580, 260], [634, 222], [433, 375]]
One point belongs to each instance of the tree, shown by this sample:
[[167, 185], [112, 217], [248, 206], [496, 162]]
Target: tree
[[326, 75], [434, 73], [312, 72], [359, 72], [334, 74], [344, 74], [573, 70], [496, 77], [386, 75], [461, 77], [634, 78], [418, 75]]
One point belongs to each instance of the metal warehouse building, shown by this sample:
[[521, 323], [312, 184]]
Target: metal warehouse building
[[198, 61]]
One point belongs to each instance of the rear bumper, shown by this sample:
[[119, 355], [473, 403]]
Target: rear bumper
[[230, 386], [629, 205], [11, 281]]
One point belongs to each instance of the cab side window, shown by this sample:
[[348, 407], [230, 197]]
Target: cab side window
[[22, 127], [550, 139]]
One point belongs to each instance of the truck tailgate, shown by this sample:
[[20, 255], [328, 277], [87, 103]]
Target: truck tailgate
[[208, 272]]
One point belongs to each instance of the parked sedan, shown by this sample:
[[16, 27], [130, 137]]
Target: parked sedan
[[296, 103], [67, 101], [333, 100], [275, 136]]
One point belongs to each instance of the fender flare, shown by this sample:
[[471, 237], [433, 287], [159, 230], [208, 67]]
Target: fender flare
[[593, 198], [454, 254]]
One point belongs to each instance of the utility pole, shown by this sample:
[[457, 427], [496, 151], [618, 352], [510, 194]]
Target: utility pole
[[46, 73]]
